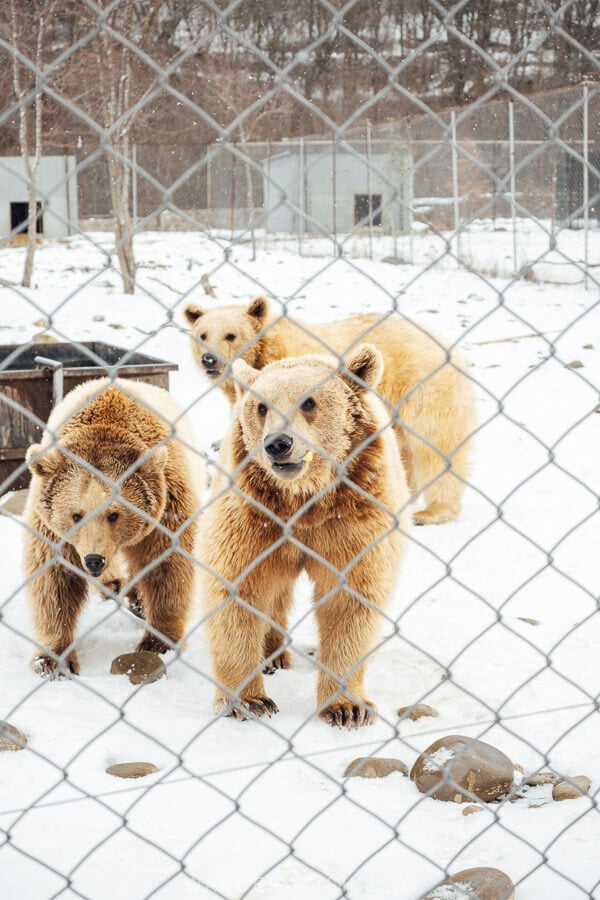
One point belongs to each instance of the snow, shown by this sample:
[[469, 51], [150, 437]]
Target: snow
[[438, 759], [261, 809]]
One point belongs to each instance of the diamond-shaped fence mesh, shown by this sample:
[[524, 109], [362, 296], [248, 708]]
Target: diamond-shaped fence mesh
[[343, 259]]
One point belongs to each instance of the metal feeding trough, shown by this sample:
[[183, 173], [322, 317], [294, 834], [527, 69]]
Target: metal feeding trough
[[33, 378]]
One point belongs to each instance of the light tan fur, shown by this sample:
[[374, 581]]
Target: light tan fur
[[424, 386], [144, 475], [337, 498]]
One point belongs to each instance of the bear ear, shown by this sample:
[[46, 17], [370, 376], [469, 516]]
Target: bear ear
[[259, 309], [364, 368], [192, 313], [43, 462], [243, 376], [155, 462]]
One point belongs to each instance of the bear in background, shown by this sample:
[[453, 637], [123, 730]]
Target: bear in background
[[424, 386], [113, 482], [309, 478]]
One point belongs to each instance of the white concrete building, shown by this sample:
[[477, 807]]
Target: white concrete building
[[330, 189], [56, 186]]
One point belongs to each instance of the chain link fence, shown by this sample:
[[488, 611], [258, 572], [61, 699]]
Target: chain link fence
[[137, 227]]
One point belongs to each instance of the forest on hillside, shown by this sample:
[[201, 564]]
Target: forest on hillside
[[193, 71]]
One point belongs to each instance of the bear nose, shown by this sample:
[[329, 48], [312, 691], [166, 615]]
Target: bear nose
[[94, 563], [278, 445], [209, 361]]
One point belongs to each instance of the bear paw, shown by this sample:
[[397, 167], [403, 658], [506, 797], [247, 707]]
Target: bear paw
[[48, 667], [246, 707], [346, 714], [434, 515], [153, 643], [283, 661]]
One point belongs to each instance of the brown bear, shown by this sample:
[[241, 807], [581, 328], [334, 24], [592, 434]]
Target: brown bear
[[113, 481], [424, 386], [309, 478]]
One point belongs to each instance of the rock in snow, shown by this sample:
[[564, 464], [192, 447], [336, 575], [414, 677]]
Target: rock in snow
[[571, 788], [482, 882], [374, 767], [11, 738], [132, 769], [417, 712], [473, 765], [141, 665]]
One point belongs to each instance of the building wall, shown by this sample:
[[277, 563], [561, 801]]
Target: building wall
[[56, 190], [323, 184]]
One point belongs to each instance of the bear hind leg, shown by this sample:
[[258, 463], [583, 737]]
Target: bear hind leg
[[443, 479], [275, 654]]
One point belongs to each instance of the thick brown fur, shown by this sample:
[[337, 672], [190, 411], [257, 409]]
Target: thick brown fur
[[424, 386], [126, 432], [341, 491]]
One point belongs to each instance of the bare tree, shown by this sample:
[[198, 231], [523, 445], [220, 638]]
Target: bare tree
[[25, 30]]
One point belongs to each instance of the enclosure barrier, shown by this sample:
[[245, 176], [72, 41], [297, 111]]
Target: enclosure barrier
[[268, 807]]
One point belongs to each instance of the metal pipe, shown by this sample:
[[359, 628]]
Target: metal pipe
[[58, 377]]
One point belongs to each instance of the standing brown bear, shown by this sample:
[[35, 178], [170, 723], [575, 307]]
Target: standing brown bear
[[424, 387], [310, 478], [112, 483]]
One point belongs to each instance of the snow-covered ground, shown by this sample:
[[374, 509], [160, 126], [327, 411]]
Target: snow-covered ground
[[261, 809]]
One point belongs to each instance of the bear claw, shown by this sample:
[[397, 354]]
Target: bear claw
[[347, 715], [282, 661], [48, 667], [247, 707]]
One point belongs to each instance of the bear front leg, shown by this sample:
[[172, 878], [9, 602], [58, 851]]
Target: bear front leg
[[276, 657], [167, 592], [347, 629], [56, 596], [236, 637]]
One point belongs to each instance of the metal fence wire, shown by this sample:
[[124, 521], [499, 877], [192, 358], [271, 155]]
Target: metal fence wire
[[129, 195]]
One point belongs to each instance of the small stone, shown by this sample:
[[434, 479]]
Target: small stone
[[139, 666], [40, 323], [116, 325], [98, 318], [574, 364], [529, 621], [132, 769], [44, 339], [588, 346], [455, 762], [542, 778], [571, 788], [469, 810], [417, 712], [374, 767], [482, 883], [11, 738]]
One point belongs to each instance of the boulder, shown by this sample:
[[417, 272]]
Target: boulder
[[11, 738], [132, 769], [417, 712], [571, 788], [481, 883], [477, 767]]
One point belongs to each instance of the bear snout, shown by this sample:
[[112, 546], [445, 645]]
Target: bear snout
[[278, 445], [94, 563], [211, 364]]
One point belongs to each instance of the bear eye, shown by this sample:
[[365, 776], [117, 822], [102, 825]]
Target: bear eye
[[262, 410], [113, 516], [203, 337], [308, 404], [77, 517], [230, 337]]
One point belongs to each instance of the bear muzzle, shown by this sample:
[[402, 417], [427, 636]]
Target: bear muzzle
[[279, 447], [94, 563], [212, 365]]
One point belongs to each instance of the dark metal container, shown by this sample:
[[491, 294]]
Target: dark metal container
[[29, 389]]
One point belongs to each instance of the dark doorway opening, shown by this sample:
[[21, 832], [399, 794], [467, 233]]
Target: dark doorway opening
[[19, 213], [569, 190], [367, 209]]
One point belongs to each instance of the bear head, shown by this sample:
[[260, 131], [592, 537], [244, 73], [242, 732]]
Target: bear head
[[300, 419], [99, 489], [221, 335]]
